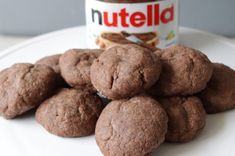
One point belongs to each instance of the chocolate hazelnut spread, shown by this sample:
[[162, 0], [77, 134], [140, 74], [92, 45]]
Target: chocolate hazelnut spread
[[152, 22], [117, 37], [149, 38]]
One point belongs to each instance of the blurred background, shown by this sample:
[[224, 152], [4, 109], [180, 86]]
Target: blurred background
[[20, 19]]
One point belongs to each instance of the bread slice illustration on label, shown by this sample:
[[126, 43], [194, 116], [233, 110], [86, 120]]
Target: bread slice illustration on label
[[109, 39]]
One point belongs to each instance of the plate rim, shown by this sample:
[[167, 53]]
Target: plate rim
[[52, 34]]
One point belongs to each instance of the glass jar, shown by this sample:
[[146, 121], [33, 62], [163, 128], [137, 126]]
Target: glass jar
[[113, 22]]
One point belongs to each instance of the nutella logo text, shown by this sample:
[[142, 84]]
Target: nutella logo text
[[151, 17]]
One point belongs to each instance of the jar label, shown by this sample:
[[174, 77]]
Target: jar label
[[153, 23]]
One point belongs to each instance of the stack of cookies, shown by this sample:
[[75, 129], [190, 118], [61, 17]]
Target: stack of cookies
[[152, 96]]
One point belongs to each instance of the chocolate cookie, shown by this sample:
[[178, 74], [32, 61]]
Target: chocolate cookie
[[124, 71], [186, 118], [185, 71], [23, 87], [53, 62], [131, 127], [70, 113], [75, 67], [158, 52], [219, 94]]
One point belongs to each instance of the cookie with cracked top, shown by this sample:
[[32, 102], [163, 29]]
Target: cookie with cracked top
[[24, 86], [185, 71], [219, 95], [186, 118], [70, 113], [53, 62], [133, 126], [75, 67], [124, 71]]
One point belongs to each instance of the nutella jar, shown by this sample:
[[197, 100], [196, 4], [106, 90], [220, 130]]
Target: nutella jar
[[153, 23]]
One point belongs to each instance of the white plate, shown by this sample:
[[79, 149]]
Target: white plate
[[24, 137]]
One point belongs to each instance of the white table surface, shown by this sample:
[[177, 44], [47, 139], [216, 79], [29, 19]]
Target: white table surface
[[8, 41]]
